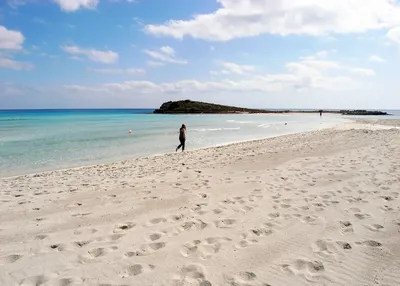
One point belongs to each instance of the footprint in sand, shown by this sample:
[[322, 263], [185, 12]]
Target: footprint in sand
[[386, 208], [388, 198], [41, 237], [9, 259], [81, 244], [324, 248], [246, 240], [36, 280], [309, 219], [370, 243], [244, 278], [344, 245], [155, 221], [260, 231], [51, 279], [176, 218], [123, 227], [110, 238], [97, 252], [193, 274], [150, 248], [193, 225], [61, 247], [328, 248], [199, 208], [346, 227], [203, 249], [285, 206], [274, 215], [155, 236], [311, 270], [137, 269], [225, 223], [375, 227], [89, 231], [362, 216]]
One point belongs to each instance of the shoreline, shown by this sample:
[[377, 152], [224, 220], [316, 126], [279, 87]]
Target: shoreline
[[356, 123], [318, 207], [345, 121]]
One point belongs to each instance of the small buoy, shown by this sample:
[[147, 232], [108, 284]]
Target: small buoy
[[130, 131]]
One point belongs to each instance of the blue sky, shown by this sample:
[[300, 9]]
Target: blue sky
[[253, 53]]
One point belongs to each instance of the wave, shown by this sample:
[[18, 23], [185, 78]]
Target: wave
[[14, 119], [240, 121], [215, 129]]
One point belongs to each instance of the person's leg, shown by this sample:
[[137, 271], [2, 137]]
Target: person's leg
[[177, 148], [183, 145]]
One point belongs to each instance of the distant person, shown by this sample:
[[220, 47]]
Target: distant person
[[130, 132], [182, 138], [320, 113]]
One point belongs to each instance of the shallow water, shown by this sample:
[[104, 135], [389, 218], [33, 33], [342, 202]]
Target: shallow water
[[40, 140]]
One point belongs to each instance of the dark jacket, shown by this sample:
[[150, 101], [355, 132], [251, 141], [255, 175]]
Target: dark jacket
[[182, 134]]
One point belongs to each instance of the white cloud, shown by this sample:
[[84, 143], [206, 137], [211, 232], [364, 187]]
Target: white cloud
[[318, 63], [246, 18], [155, 64], [309, 73], [79, 88], [16, 3], [73, 5], [65, 5], [394, 35], [131, 71], [376, 59], [362, 71], [10, 40], [75, 58], [106, 57], [167, 50], [232, 68], [165, 54], [15, 65]]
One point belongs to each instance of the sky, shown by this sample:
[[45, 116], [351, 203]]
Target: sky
[[253, 53]]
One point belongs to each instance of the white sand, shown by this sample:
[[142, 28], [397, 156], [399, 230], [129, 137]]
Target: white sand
[[319, 208]]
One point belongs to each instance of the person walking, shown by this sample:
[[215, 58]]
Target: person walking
[[182, 138]]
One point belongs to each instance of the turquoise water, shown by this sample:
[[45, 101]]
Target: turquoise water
[[41, 140]]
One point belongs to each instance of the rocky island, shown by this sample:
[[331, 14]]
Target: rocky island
[[197, 107]]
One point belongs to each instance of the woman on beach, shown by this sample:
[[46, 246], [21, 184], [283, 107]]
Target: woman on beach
[[182, 138]]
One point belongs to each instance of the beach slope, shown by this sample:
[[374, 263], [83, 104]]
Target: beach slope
[[317, 208]]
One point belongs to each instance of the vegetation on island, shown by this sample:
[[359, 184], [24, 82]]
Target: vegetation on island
[[189, 106], [197, 107]]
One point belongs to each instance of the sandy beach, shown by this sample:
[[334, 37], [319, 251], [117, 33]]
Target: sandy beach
[[316, 208]]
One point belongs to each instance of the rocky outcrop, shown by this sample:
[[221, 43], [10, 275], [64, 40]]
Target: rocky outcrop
[[197, 107], [189, 107]]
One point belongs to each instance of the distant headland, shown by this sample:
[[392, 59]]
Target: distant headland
[[197, 107]]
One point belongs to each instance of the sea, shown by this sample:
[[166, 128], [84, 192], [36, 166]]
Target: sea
[[33, 141]]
